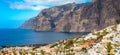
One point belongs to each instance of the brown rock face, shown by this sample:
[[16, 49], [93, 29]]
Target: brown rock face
[[48, 19], [29, 24], [100, 14], [73, 17]]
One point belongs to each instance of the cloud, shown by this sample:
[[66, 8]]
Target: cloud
[[25, 6], [40, 4]]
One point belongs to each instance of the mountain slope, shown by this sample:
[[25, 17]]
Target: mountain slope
[[29, 24], [103, 42], [85, 17]]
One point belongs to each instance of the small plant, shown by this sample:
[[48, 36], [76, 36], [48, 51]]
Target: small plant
[[110, 54], [108, 48], [115, 27], [99, 35], [104, 32], [84, 50], [49, 54], [68, 43], [14, 53], [42, 52], [32, 53], [111, 37], [82, 41]]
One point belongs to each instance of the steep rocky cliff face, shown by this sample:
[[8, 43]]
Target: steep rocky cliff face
[[50, 19], [73, 17]]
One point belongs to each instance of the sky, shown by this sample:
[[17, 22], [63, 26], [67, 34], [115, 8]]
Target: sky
[[14, 13]]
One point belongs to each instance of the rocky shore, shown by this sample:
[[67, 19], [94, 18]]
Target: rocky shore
[[28, 45]]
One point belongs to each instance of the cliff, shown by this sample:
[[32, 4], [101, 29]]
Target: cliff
[[29, 24], [73, 17]]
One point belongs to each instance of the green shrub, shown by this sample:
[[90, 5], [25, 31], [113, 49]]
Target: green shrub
[[99, 35], [32, 53], [110, 54], [68, 43], [115, 27], [82, 41], [42, 52], [104, 32], [109, 47], [49, 54], [84, 49]]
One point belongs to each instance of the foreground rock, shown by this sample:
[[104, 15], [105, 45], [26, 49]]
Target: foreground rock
[[73, 17], [103, 42]]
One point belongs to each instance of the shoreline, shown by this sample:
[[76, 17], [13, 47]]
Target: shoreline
[[24, 45]]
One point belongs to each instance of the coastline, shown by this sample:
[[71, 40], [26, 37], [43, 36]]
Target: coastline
[[24, 45]]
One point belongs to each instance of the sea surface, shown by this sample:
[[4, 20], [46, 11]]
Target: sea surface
[[22, 37]]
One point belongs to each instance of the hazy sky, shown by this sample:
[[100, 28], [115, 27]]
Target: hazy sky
[[14, 12]]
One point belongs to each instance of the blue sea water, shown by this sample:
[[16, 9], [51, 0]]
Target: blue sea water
[[21, 37]]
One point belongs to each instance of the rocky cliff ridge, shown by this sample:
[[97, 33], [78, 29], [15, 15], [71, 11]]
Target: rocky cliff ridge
[[73, 17]]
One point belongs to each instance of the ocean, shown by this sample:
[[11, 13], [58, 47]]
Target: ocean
[[22, 37]]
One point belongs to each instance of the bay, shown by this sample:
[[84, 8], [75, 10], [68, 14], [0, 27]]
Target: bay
[[22, 37]]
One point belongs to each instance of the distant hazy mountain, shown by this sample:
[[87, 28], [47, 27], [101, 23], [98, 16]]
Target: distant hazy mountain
[[72, 17], [29, 24]]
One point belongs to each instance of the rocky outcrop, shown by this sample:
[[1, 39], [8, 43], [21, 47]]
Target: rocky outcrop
[[103, 42], [85, 17], [29, 24]]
